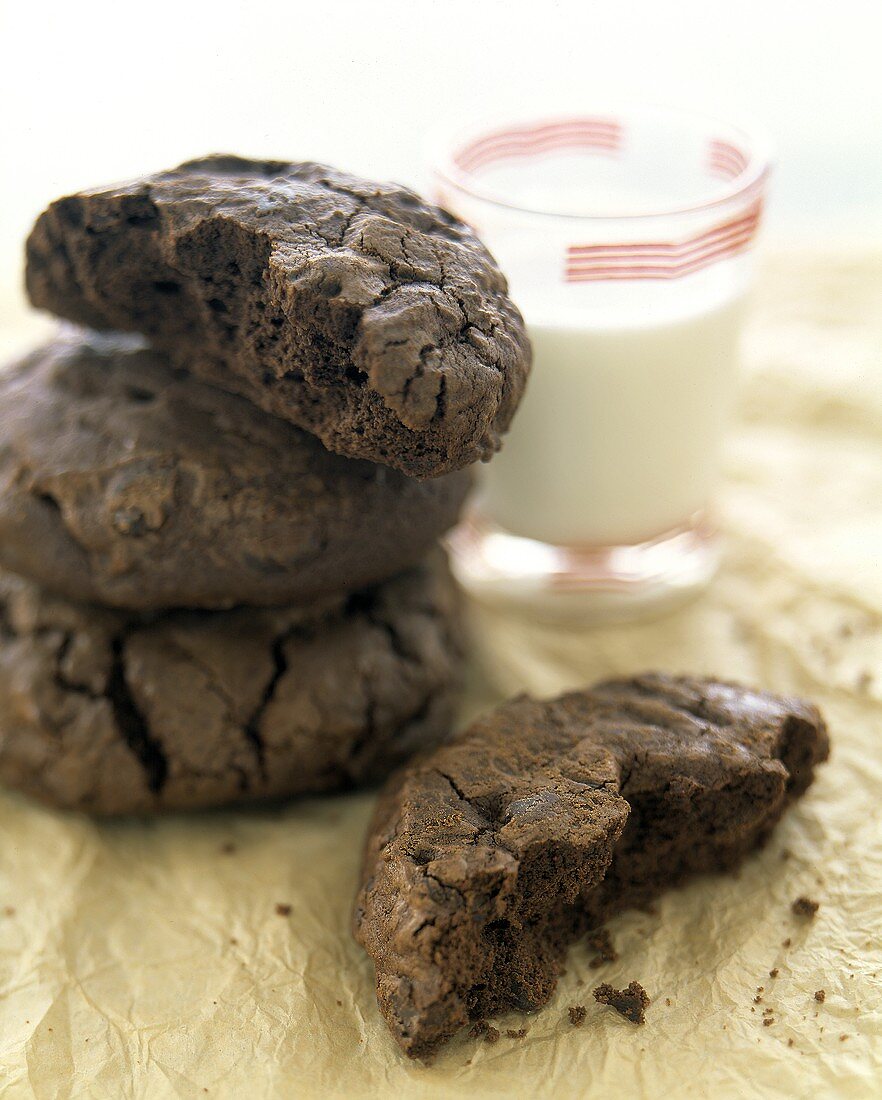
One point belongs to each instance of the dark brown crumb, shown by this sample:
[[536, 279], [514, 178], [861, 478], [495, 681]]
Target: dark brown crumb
[[774, 972], [760, 989], [629, 1002], [790, 1042], [805, 907], [768, 1012], [228, 847], [601, 942], [283, 909], [768, 1021], [820, 996], [757, 1000], [787, 942], [519, 1033], [233, 940], [577, 1015], [482, 1030], [842, 1038], [339, 1004], [668, 1001]]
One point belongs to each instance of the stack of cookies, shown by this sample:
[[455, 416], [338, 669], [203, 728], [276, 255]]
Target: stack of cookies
[[221, 497]]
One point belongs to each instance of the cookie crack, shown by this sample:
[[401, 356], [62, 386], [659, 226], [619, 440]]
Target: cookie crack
[[396, 644], [64, 682], [445, 885], [6, 628], [251, 728], [131, 722]]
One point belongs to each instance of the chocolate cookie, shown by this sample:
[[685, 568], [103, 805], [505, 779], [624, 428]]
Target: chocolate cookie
[[110, 713], [487, 857], [127, 483], [353, 309]]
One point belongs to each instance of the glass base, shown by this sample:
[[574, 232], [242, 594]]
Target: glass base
[[587, 583]]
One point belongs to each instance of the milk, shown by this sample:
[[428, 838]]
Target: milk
[[617, 440]]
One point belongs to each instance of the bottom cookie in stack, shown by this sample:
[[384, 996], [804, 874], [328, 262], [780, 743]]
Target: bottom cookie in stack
[[112, 712]]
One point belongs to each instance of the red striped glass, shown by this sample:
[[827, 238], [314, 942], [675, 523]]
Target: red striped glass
[[627, 238]]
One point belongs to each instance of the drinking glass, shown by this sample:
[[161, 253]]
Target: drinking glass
[[627, 239]]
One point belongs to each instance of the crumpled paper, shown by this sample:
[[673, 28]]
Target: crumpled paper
[[160, 959]]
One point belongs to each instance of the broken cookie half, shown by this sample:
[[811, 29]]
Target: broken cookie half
[[360, 313], [489, 856]]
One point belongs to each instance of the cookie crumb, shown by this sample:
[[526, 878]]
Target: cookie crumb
[[601, 942], [577, 1015], [482, 1030], [774, 972], [630, 1002], [790, 1042], [339, 1004], [668, 1001], [283, 909], [787, 942], [820, 996], [518, 1033], [805, 907], [842, 1038], [768, 1021]]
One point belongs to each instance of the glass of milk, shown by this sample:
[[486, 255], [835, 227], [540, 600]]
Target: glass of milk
[[626, 237]]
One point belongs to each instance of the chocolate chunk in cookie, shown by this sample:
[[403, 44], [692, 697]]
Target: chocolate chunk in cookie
[[128, 483], [109, 713], [487, 857], [353, 309]]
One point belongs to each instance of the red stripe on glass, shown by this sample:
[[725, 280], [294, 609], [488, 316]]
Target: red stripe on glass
[[662, 259], [591, 133]]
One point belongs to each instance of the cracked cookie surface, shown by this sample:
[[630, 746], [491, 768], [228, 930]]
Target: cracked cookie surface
[[354, 309], [112, 713], [487, 857], [128, 483]]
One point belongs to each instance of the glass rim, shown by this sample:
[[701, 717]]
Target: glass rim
[[747, 183]]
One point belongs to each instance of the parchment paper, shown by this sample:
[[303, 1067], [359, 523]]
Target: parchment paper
[[148, 958]]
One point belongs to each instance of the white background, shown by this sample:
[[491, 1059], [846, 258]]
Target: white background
[[96, 91]]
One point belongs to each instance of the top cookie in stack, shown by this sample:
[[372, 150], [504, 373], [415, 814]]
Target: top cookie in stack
[[353, 309], [309, 348]]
